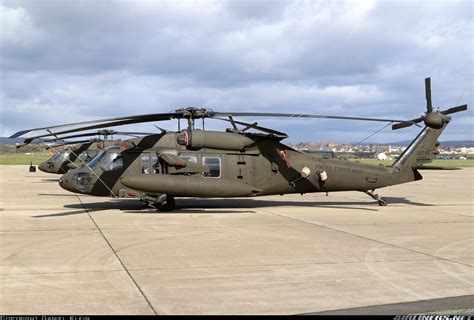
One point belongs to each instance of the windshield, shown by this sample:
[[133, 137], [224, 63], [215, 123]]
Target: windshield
[[93, 163], [84, 156], [61, 155], [112, 161], [106, 156]]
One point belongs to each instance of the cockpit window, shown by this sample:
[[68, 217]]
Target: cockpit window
[[63, 155], [112, 161], [155, 164], [93, 163], [97, 159], [56, 156], [145, 164], [84, 156]]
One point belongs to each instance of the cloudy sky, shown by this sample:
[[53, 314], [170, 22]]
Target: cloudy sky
[[63, 61]]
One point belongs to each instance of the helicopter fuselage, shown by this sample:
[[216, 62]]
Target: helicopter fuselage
[[164, 164]]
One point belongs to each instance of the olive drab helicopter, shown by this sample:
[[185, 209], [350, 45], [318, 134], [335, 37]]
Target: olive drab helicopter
[[76, 153], [238, 162]]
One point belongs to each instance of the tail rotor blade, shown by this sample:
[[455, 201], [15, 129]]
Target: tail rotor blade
[[429, 106], [401, 125], [455, 109], [406, 124]]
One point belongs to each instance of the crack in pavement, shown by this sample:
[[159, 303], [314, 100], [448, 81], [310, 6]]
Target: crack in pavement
[[117, 256]]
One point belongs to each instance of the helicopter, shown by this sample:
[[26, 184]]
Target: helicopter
[[239, 163], [71, 157]]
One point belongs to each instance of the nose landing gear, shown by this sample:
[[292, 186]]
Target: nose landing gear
[[162, 202]]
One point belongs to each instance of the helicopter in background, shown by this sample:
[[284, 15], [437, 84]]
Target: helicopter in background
[[75, 154], [239, 163]]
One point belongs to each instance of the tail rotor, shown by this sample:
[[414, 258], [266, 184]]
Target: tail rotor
[[432, 119]]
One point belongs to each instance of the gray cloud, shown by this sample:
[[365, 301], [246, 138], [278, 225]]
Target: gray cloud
[[87, 59]]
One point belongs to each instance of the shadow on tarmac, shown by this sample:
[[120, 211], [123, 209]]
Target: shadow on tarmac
[[196, 205], [458, 305], [57, 194]]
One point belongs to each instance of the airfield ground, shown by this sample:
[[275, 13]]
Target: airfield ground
[[63, 253]]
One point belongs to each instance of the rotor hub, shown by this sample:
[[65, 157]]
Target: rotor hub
[[106, 132], [194, 112], [435, 120]]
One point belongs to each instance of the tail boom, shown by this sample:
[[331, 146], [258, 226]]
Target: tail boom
[[422, 150]]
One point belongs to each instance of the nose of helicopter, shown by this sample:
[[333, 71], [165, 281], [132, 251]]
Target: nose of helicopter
[[66, 182], [42, 167], [72, 165], [45, 166]]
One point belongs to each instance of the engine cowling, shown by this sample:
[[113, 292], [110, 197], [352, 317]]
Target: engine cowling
[[198, 139]]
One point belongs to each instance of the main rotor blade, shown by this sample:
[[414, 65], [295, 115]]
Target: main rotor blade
[[296, 115], [138, 119], [119, 120], [134, 133], [87, 134], [57, 145], [69, 143], [96, 133], [455, 109], [20, 133], [429, 107], [254, 126]]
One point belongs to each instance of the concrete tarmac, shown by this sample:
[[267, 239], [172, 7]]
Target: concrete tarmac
[[63, 253]]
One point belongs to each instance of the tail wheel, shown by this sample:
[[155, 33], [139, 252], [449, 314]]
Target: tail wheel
[[165, 203]]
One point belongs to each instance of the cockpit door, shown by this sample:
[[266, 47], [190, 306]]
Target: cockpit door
[[145, 163], [150, 163]]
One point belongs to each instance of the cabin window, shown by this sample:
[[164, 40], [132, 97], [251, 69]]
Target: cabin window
[[155, 164], [188, 157], [145, 164], [214, 163]]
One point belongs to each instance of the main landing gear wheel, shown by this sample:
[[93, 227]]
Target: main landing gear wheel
[[374, 196], [165, 203]]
